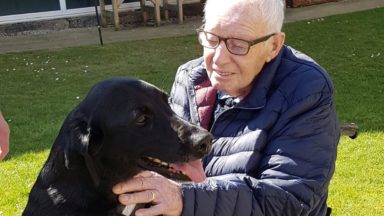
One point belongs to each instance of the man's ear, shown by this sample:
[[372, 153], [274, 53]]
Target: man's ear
[[276, 43]]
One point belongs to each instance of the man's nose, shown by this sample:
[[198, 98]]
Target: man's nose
[[221, 53]]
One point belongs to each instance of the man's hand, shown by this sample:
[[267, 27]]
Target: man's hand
[[151, 187], [4, 137]]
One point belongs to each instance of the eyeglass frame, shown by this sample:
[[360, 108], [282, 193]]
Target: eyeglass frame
[[250, 43]]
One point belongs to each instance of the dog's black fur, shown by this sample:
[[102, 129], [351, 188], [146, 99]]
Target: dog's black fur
[[106, 140]]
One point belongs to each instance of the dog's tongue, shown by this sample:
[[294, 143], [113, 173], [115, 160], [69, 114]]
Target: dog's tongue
[[194, 170]]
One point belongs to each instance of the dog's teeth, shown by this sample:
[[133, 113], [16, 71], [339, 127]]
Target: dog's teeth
[[164, 164], [156, 160], [159, 162]]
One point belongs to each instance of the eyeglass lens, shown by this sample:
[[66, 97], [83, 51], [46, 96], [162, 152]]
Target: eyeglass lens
[[235, 46]]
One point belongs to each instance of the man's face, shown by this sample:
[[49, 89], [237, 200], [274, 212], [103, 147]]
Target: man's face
[[233, 74]]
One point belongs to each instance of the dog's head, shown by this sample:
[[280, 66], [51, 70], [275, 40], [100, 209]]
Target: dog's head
[[125, 125]]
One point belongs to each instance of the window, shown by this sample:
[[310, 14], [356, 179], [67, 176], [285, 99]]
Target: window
[[14, 7]]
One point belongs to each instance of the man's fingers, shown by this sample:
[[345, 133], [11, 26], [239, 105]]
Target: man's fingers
[[140, 182], [132, 185], [146, 174], [150, 187], [147, 196], [153, 210]]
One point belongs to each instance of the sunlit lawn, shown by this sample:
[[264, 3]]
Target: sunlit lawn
[[38, 89]]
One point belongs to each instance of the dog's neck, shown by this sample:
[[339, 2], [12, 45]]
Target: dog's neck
[[73, 185], [92, 169], [66, 180]]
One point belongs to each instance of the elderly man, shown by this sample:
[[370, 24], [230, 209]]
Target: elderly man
[[270, 109]]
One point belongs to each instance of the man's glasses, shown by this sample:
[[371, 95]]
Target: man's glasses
[[235, 46]]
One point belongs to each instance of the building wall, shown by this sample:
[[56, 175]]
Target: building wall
[[18, 11], [14, 11]]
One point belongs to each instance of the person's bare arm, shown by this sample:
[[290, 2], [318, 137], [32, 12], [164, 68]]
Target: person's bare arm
[[4, 137]]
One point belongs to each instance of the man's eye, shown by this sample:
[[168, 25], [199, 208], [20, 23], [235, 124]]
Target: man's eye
[[212, 38], [238, 44], [212, 41]]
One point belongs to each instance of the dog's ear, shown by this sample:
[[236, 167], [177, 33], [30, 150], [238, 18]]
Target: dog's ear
[[86, 136], [86, 139], [80, 134]]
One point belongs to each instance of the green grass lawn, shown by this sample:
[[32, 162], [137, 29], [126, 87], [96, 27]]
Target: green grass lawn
[[38, 89]]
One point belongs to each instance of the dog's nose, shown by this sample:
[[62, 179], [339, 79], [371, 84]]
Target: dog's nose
[[203, 144]]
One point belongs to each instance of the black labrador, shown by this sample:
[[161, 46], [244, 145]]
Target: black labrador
[[122, 127]]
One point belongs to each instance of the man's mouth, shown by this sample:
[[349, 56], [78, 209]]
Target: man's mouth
[[222, 73], [186, 171]]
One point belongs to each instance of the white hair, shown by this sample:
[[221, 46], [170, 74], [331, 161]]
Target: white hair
[[270, 12]]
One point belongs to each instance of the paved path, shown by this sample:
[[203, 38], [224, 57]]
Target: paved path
[[89, 36]]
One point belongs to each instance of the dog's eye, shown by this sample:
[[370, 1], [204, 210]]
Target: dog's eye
[[141, 120]]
